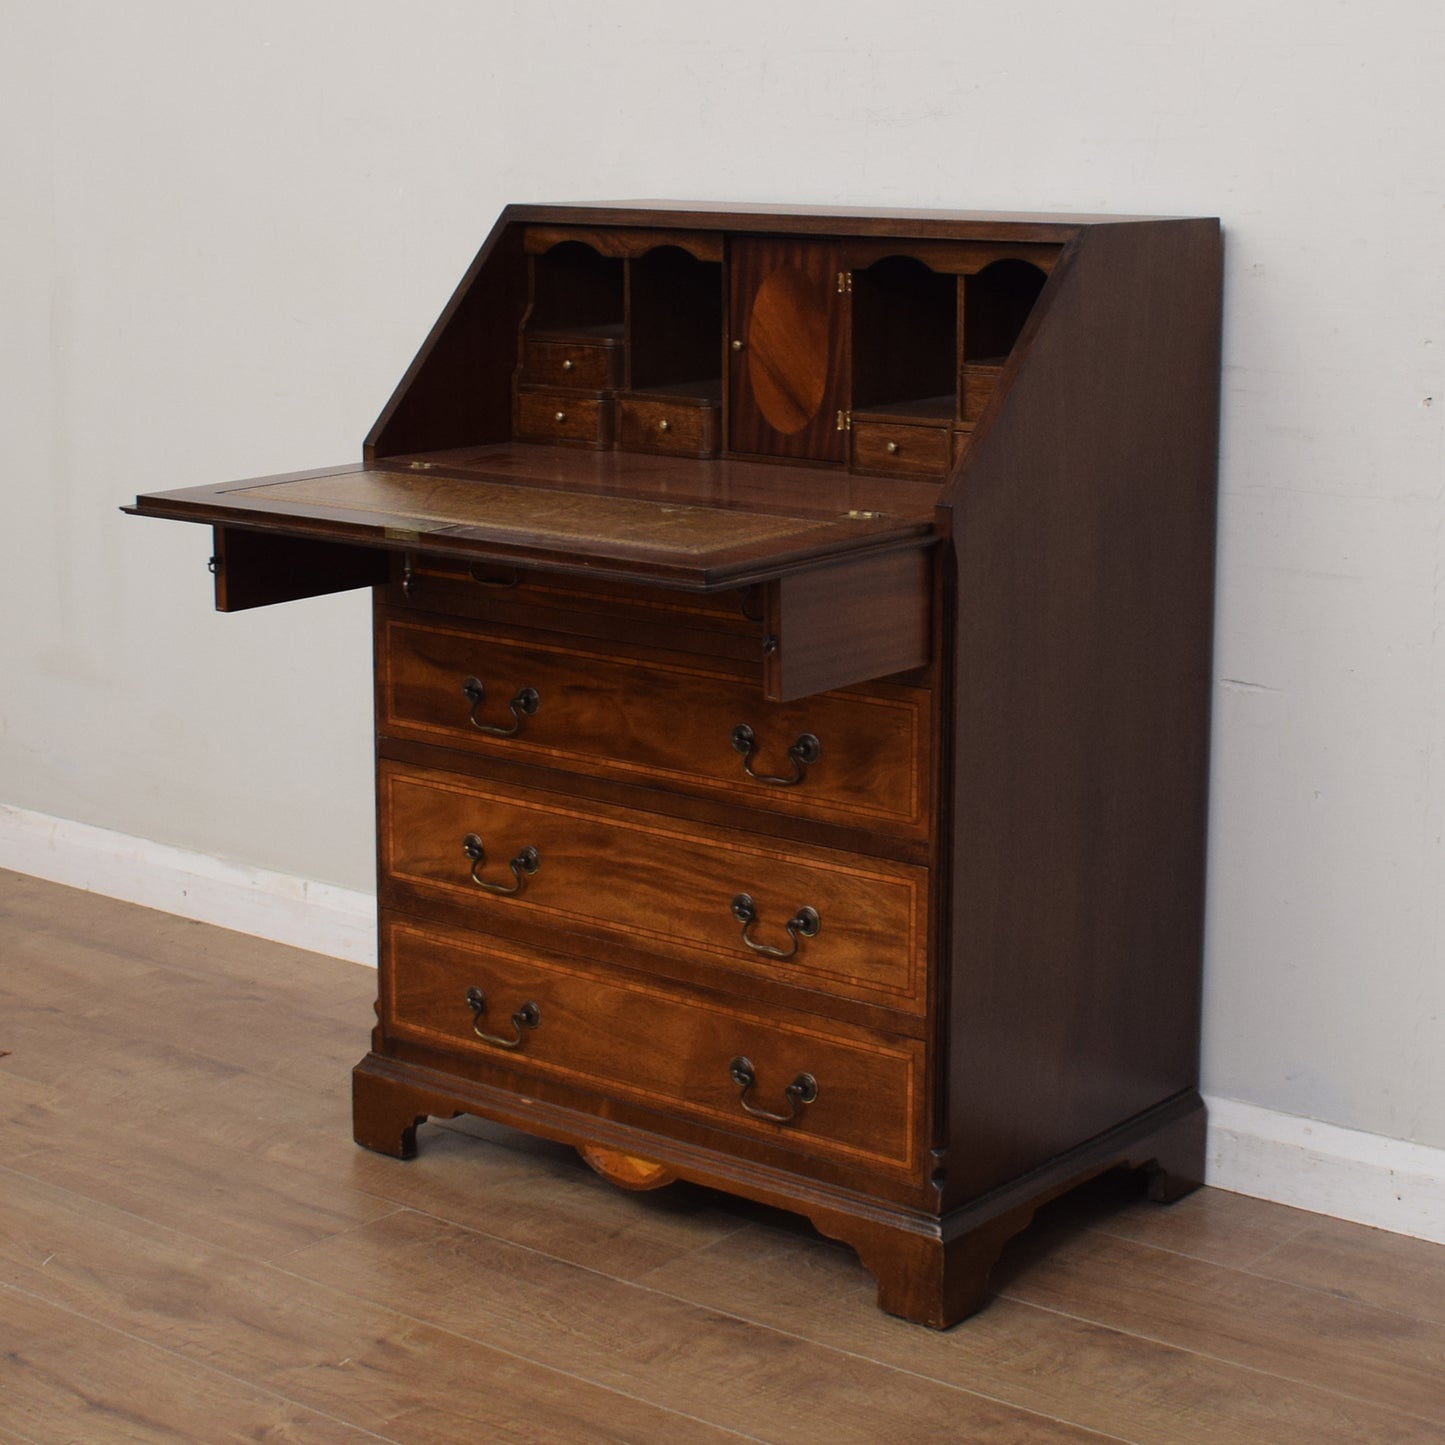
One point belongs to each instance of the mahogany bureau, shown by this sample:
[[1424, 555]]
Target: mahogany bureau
[[792, 639]]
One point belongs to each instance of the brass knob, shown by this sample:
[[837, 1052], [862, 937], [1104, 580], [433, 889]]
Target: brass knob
[[568, 364], [737, 345], [560, 416], [892, 448], [664, 425]]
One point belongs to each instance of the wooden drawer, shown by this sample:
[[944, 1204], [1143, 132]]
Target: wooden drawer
[[560, 416], [587, 366], [904, 451], [683, 426], [722, 624], [653, 1047], [527, 860], [739, 611], [859, 757]]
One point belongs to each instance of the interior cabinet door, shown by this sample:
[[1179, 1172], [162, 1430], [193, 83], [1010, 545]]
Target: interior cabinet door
[[787, 328]]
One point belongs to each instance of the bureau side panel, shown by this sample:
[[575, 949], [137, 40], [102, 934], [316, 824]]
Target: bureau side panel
[[1083, 533]]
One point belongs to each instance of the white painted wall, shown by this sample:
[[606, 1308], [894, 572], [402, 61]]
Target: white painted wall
[[227, 227]]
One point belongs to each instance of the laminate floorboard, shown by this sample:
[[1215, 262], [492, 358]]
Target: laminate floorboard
[[1069, 1365], [337, 1354], [674, 1353], [64, 1377], [1305, 1335], [192, 1249], [1368, 1266]]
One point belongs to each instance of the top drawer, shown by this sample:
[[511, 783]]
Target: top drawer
[[854, 757], [722, 624], [570, 362]]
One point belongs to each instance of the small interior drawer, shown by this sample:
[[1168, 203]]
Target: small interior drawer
[[900, 450], [562, 362], [684, 426], [561, 416], [653, 1047]]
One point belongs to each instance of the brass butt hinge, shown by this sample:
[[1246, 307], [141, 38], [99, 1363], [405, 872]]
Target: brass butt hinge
[[845, 421], [845, 282]]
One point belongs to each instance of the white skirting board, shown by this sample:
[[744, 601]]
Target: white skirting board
[[316, 916], [1367, 1178]]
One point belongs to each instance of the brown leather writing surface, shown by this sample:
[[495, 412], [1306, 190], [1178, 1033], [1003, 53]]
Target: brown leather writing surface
[[692, 543]]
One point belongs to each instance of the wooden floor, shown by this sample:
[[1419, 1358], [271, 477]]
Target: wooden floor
[[191, 1248]]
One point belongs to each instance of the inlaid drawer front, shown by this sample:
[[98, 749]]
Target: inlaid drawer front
[[580, 597], [680, 426], [838, 923], [785, 1077], [571, 364], [857, 757], [559, 416], [912, 451], [722, 624]]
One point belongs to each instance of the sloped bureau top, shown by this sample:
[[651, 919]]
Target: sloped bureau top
[[681, 397], [702, 399], [669, 393]]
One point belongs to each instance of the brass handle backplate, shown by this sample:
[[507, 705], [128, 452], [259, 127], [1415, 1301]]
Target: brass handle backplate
[[525, 704], [526, 1017], [805, 923], [523, 866], [805, 751], [801, 1092]]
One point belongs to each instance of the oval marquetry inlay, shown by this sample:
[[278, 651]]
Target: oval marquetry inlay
[[626, 1171], [788, 348]]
